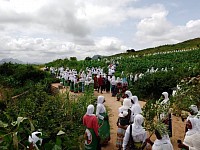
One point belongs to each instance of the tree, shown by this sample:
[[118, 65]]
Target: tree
[[73, 58], [88, 58]]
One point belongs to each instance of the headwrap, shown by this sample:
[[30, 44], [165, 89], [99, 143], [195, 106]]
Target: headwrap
[[137, 125], [100, 107], [129, 94], [194, 109], [135, 99], [126, 103], [90, 110], [195, 126], [166, 98], [100, 99]]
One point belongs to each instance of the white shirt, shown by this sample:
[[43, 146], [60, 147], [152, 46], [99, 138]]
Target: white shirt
[[192, 141], [162, 145], [100, 109], [140, 136]]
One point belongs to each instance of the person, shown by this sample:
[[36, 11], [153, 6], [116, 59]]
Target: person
[[113, 88], [160, 143], [123, 121], [118, 88], [128, 94], [104, 126], [124, 87], [90, 121], [100, 84], [107, 84], [166, 117], [135, 108], [193, 110], [95, 82], [138, 134], [191, 140]]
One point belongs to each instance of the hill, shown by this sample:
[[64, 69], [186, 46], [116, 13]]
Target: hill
[[189, 44], [7, 60]]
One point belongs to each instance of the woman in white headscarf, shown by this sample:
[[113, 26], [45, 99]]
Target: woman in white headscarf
[[191, 140], [135, 108], [104, 126], [128, 94], [161, 143], [113, 84], [123, 121], [137, 132], [118, 88], [166, 116], [91, 133]]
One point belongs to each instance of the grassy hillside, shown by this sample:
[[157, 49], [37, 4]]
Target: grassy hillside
[[189, 44]]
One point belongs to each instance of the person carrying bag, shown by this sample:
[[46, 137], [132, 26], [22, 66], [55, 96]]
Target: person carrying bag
[[135, 135]]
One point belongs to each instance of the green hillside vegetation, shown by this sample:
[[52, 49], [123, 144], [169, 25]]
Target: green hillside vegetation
[[27, 105], [189, 44]]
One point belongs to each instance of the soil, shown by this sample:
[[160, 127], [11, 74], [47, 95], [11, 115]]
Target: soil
[[178, 127]]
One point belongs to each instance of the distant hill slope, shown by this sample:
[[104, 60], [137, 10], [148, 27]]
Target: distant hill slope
[[7, 60], [192, 43]]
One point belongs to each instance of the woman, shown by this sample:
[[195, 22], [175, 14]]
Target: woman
[[166, 116], [104, 126], [161, 143], [191, 140], [118, 88], [113, 83], [138, 133], [92, 127], [123, 121], [135, 108]]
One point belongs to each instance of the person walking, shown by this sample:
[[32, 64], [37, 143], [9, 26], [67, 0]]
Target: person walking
[[103, 121], [137, 133], [123, 121], [90, 121]]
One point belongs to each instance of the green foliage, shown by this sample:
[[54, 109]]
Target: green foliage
[[151, 112], [188, 94], [50, 114], [14, 135]]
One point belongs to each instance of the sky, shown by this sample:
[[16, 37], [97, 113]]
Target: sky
[[45, 30]]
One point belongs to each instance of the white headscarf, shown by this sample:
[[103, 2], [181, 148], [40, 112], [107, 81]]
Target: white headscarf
[[137, 125], [100, 99], [129, 94], [135, 99], [127, 103], [195, 126], [100, 107], [90, 110], [194, 108], [166, 98]]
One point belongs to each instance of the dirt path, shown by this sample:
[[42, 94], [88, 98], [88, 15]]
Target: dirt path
[[113, 105]]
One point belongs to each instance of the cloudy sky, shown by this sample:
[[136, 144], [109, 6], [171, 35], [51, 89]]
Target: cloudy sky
[[45, 30]]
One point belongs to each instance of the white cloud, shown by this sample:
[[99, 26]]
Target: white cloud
[[157, 30]]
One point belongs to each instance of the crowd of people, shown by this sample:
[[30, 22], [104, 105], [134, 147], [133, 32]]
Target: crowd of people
[[95, 77], [131, 135], [130, 120]]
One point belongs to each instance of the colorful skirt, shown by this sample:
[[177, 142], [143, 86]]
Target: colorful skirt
[[91, 141], [120, 137], [104, 129]]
